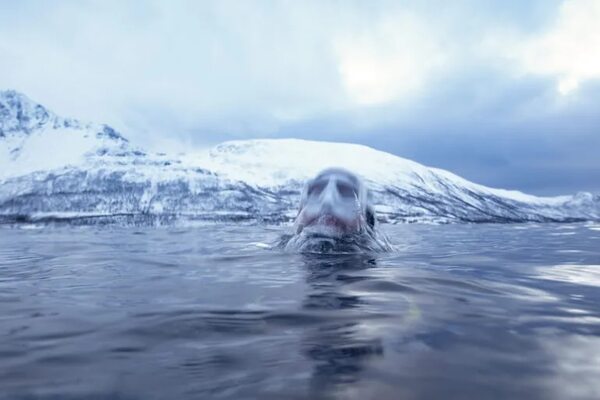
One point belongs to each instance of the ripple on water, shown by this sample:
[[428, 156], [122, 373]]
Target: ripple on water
[[456, 312]]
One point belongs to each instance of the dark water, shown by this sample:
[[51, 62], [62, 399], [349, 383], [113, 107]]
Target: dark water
[[457, 312]]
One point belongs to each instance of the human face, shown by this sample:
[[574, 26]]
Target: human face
[[331, 205]]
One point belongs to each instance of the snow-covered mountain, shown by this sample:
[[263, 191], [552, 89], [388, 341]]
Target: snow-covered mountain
[[57, 168]]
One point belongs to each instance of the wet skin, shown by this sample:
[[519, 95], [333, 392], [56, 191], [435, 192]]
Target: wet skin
[[333, 204]]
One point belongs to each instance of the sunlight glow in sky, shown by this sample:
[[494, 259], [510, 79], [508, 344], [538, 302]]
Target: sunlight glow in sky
[[393, 59]]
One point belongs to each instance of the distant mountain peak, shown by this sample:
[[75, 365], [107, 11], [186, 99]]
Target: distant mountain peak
[[33, 138], [9, 94], [19, 115]]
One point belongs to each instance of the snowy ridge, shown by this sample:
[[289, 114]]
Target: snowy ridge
[[56, 168], [35, 139], [284, 160]]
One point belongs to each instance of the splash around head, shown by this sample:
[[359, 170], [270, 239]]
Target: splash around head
[[335, 216]]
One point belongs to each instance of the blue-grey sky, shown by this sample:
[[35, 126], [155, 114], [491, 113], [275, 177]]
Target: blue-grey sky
[[504, 93]]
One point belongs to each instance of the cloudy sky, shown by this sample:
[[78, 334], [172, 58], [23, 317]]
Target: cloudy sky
[[504, 93]]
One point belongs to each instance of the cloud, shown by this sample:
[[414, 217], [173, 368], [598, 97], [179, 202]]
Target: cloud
[[468, 85], [241, 68], [229, 67], [216, 64], [568, 50], [391, 59]]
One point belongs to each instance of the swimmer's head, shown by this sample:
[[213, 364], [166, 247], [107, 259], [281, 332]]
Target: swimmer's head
[[334, 203]]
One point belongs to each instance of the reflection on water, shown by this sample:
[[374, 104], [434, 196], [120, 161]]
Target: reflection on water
[[340, 347], [463, 311], [581, 274]]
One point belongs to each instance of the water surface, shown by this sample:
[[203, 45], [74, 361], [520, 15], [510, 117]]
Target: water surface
[[456, 312]]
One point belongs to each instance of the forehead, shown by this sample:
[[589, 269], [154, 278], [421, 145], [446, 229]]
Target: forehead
[[338, 175]]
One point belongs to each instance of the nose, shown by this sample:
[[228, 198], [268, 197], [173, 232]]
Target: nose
[[329, 196]]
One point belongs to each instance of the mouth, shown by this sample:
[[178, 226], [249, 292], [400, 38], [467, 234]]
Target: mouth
[[326, 220]]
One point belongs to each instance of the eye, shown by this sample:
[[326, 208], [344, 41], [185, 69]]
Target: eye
[[316, 188], [346, 191]]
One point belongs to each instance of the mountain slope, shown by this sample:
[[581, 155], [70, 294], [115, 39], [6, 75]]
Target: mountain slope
[[52, 167], [402, 189]]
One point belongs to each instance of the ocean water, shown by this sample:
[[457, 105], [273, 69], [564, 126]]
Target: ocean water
[[454, 312]]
